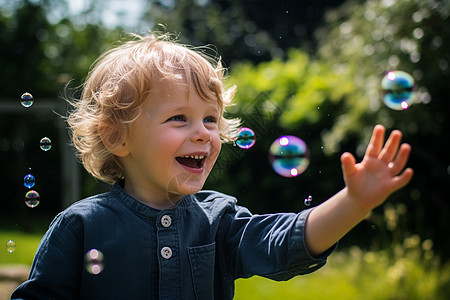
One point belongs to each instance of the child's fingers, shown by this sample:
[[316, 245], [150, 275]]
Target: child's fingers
[[348, 164], [376, 141], [402, 158], [402, 179], [390, 149]]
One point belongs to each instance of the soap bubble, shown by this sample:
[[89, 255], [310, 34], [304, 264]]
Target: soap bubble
[[45, 144], [289, 156], [246, 138], [307, 201], [29, 181], [26, 100], [94, 261], [32, 198], [398, 90], [10, 246]]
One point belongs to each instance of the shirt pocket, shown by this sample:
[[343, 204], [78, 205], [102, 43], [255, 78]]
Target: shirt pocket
[[202, 260]]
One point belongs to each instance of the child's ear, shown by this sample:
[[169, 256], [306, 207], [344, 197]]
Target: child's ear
[[113, 139]]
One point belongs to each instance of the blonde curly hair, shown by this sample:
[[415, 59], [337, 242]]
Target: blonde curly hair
[[119, 82]]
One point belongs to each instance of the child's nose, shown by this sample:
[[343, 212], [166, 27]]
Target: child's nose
[[201, 134]]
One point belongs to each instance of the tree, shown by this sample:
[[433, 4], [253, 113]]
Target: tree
[[241, 30]]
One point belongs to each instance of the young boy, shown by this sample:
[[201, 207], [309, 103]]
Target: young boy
[[150, 122]]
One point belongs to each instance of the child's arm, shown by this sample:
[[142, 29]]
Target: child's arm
[[368, 184]]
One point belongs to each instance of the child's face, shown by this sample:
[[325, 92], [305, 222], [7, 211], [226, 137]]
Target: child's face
[[173, 145]]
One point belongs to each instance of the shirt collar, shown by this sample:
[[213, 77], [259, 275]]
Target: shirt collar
[[144, 210]]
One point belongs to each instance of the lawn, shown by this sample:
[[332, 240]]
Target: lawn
[[14, 266], [25, 247]]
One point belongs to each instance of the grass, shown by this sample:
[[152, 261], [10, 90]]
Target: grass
[[26, 230], [26, 245], [14, 266]]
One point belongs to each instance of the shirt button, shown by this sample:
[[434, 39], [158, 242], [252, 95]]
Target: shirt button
[[166, 252], [166, 221]]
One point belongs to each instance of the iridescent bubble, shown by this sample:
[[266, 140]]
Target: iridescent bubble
[[32, 198], [94, 261], [246, 138], [29, 181], [307, 201], [10, 246], [289, 156], [398, 90], [26, 100], [45, 144]]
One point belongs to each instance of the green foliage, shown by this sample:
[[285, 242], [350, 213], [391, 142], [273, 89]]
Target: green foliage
[[39, 56], [367, 39], [303, 90]]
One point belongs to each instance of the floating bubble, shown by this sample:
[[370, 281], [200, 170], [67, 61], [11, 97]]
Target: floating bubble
[[10, 246], [246, 138], [45, 144], [32, 198], [94, 261], [26, 100], [398, 90], [307, 201], [289, 156], [29, 181]]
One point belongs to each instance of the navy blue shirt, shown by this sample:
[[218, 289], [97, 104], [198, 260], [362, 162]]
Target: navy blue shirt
[[193, 251]]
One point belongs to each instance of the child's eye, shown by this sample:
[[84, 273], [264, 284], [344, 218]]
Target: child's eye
[[178, 118], [210, 119]]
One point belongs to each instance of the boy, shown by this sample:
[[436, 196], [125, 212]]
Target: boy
[[150, 122]]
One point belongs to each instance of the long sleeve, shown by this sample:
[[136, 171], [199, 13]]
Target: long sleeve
[[57, 266], [271, 245]]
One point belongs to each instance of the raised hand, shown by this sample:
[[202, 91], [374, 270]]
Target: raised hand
[[379, 174]]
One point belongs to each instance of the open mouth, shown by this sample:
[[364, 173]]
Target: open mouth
[[192, 161]]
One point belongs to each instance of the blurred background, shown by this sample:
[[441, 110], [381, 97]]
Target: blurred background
[[312, 69]]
